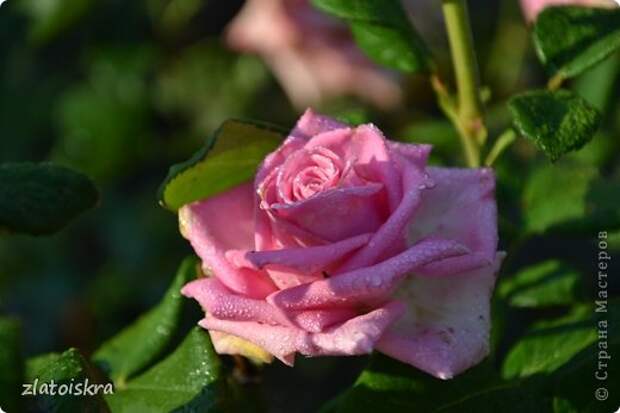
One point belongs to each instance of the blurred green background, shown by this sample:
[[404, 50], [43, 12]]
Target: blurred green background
[[121, 90]]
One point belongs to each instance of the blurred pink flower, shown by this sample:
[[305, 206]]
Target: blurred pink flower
[[531, 8], [347, 243], [313, 55]]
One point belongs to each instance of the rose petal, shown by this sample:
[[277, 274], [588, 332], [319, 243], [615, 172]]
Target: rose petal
[[315, 321], [312, 55], [223, 304], [280, 341], [263, 236], [229, 344], [416, 153], [286, 278], [355, 336], [286, 234], [447, 325], [366, 146], [461, 206], [220, 223], [308, 260], [311, 124], [414, 181], [307, 126], [335, 214], [366, 285]]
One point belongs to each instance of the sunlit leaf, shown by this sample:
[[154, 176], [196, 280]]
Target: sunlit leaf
[[551, 343], [570, 197], [548, 283], [229, 157], [190, 379], [139, 344]]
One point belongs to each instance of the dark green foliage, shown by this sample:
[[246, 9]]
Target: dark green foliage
[[382, 30], [190, 379], [569, 40], [42, 198], [70, 369], [557, 122], [11, 363], [138, 345]]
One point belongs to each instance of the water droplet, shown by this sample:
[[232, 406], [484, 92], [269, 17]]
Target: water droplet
[[375, 281]]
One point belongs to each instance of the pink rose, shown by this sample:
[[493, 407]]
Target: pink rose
[[313, 55], [531, 8], [347, 242]]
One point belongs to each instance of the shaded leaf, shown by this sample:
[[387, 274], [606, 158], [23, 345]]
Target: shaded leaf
[[138, 345], [52, 17], [569, 40], [382, 30], [37, 363], [105, 120], [11, 364], [42, 198], [229, 157], [545, 284], [67, 369], [505, 397], [207, 82], [190, 379], [389, 386], [557, 122], [574, 385]]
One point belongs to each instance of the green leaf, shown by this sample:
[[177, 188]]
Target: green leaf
[[190, 379], [229, 157], [508, 397], [37, 363], [555, 194], [572, 198], [69, 369], [383, 31], [11, 364], [574, 385], [557, 122], [42, 198], [549, 283], [551, 343], [566, 354], [138, 345], [53, 17], [388, 386], [207, 82], [102, 132], [569, 40], [542, 374]]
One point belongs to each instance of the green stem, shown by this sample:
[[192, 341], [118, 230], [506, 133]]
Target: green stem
[[502, 143], [470, 107]]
